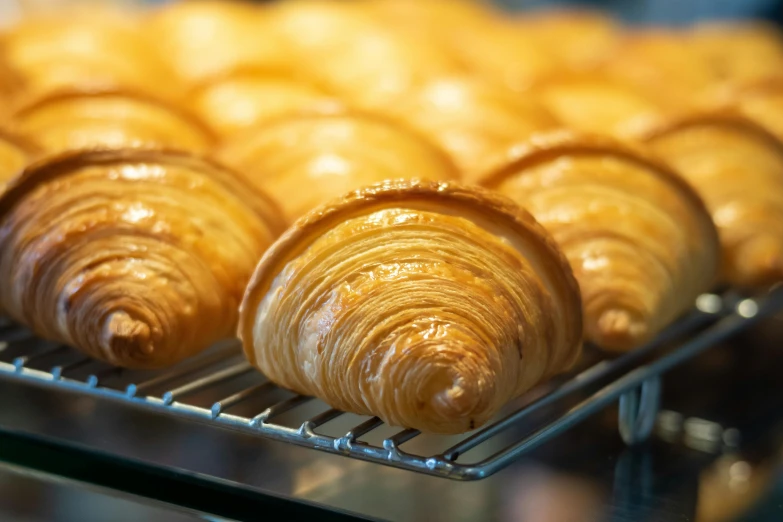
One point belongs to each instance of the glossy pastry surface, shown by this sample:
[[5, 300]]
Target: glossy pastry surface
[[247, 97], [737, 167], [95, 49], [306, 159], [597, 103], [72, 119], [429, 305], [136, 257], [360, 57], [474, 121], [640, 241], [203, 38]]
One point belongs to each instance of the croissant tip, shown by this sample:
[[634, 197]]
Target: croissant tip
[[126, 335], [619, 330]]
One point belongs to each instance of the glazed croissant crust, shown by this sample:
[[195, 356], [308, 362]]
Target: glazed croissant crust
[[136, 257], [638, 238], [76, 118], [429, 305], [737, 167], [333, 152]]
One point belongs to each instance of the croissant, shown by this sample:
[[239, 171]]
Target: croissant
[[359, 57], [760, 101], [15, 154], [71, 119], [662, 64], [506, 54], [246, 97], [136, 257], [739, 52], [334, 152], [474, 121], [429, 305], [597, 103], [640, 241], [577, 38], [737, 167], [201, 39], [92, 49]]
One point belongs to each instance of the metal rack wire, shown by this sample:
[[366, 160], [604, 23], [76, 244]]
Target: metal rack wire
[[221, 389]]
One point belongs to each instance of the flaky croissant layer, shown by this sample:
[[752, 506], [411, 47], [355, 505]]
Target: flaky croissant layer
[[640, 241], [138, 258], [412, 305]]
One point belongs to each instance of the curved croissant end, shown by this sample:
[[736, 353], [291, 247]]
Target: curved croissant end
[[336, 151], [80, 119], [140, 281], [737, 167], [427, 304], [639, 240]]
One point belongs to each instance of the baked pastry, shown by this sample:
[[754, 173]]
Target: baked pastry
[[577, 38], [95, 49], [73, 119], [760, 101], [204, 38], [737, 167], [474, 121], [640, 241], [662, 64], [429, 305], [333, 153], [597, 103], [136, 257], [739, 51], [15, 154], [506, 54], [246, 97], [359, 57]]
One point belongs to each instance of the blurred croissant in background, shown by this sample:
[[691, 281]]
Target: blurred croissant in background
[[737, 167], [303, 160], [640, 241], [76, 119]]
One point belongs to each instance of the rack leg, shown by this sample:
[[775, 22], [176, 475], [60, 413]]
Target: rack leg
[[638, 411]]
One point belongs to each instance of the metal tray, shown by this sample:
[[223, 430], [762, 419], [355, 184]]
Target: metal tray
[[221, 389]]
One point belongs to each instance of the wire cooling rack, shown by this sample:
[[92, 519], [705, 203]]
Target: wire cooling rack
[[221, 389]]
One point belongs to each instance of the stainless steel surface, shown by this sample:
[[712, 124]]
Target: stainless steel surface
[[206, 388]]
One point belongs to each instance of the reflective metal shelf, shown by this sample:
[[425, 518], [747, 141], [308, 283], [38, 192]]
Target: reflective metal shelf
[[220, 388]]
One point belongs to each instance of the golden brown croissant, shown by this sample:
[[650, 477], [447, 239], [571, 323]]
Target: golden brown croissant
[[739, 52], [597, 103], [204, 38], [737, 167], [640, 241], [73, 119], [90, 50], [247, 97], [662, 64], [429, 305], [474, 121], [760, 101], [578, 39], [359, 57], [303, 160], [506, 54], [15, 154], [136, 257]]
